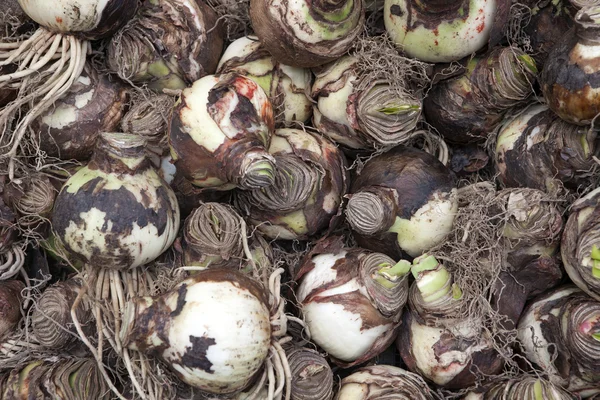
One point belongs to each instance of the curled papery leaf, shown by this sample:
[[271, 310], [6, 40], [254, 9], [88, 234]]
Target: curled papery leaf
[[351, 300], [213, 236], [536, 149], [51, 321], [219, 132], [580, 246], [168, 45], [32, 199], [288, 87], [312, 378], [149, 117], [73, 378], [310, 181], [307, 33], [383, 382], [469, 107], [10, 306], [358, 111], [527, 387], [558, 331], [95, 103]]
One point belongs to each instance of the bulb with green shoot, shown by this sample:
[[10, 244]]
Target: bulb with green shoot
[[352, 300], [438, 340], [580, 246], [361, 109]]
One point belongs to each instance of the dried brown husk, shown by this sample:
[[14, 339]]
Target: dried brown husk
[[168, 45], [148, 116], [536, 149], [557, 331], [288, 87], [468, 108], [380, 91], [215, 235], [393, 187], [307, 33], [51, 321], [10, 306], [581, 234], [65, 379], [468, 159], [569, 80], [95, 103], [306, 197], [32, 198], [8, 219], [312, 378], [231, 150], [383, 382]]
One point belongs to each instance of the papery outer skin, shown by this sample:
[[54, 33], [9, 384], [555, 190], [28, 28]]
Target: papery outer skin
[[291, 31], [457, 35], [319, 212], [341, 316], [312, 377], [368, 383], [286, 86], [425, 194], [217, 123], [535, 149], [89, 19], [581, 233], [93, 104], [212, 329], [110, 216], [10, 306], [570, 80]]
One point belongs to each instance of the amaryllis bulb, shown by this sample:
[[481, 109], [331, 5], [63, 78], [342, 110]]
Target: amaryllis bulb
[[116, 212], [307, 33], [352, 300], [213, 329], [580, 246], [568, 80], [168, 45], [440, 31], [468, 108], [10, 306], [536, 149], [360, 112], [219, 132], [403, 201], [437, 340], [288, 87], [95, 103], [89, 19], [310, 180]]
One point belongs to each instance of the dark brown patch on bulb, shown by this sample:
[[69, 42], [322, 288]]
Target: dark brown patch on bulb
[[181, 293], [115, 14], [195, 356]]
